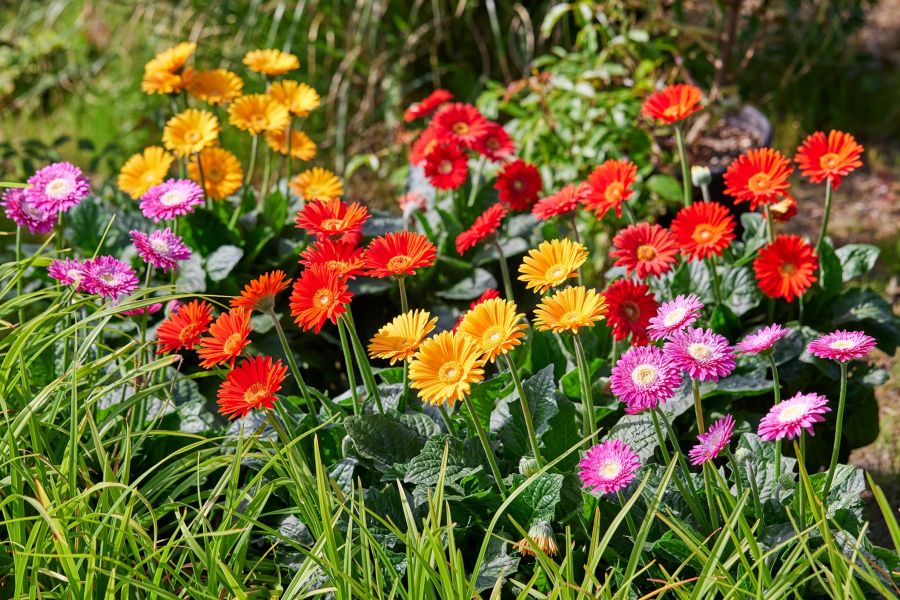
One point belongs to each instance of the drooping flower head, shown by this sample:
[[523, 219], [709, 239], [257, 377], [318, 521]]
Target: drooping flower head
[[23, 213], [551, 264], [258, 113], [784, 210], [260, 293], [109, 277], [320, 294], [222, 172], [227, 338], [716, 439], [461, 123], [170, 199], [842, 345], [758, 176], [332, 218], [485, 224], [299, 98], [608, 467], [644, 249], [161, 248], [398, 253], [270, 61], [643, 378], [300, 145], [609, 186], [495, 326], [704, 354], [488, 294], [57, 187], [252, 385], [518, 185], [675, 315], [631, 305], [184, 327], [445, 367], [541, 535], [673, 103], [217, 86], [427, 105], [343, 257], [830, 158], [317, 184], [446, 166], [785, 268], [67, 271], [703, 229], [144, 170], [561, 203], [789, 418], [495, 144], [569, 310], [190, 131], [762, 340], [399, 339]]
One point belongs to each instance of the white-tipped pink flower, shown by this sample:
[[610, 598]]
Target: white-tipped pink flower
[[643, 379], [704, 354], [674, 315], [609, 466], [842, 345], [762, 340], [788, 419], [716, 438]]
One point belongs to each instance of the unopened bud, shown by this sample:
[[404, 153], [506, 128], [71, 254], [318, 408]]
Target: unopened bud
[[528, 466], [700, 176], [742, 455]]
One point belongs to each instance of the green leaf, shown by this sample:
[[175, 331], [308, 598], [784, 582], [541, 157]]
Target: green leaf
[[566, 429], [761, 463], [665, 186], [497, 566], [753, 383], [739, 290], [275, 210], [220, 263], [638, 432], [463, 459], [867, 307], [538, 501], [540, 393], [471, 287], [383, 440], [832, 274], [571, 381], [846, 490], [857, 259], [484, 396], [191, 276]]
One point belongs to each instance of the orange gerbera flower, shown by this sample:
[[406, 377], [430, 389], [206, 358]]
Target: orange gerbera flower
[[227, 338], [644, 249], [341, 256], [609, 185], [319, 295], [560, 203], [786, 268], [398, 253], [332, 218], [271, 62], [703, 229], [252, 385], [673, 104], [184, 327], [260, 293], [831, 158], [759, 176]]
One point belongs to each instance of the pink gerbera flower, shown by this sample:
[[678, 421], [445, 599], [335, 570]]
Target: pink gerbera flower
[[674, 315], [842, 345], [171, 199], [109, 277], [713, 441], [788, 419], [162, 248], [643, 379], [58, 187], [609, 466], [704, 354], [144, 310], [24, 213], [67, 271], [762, 340]]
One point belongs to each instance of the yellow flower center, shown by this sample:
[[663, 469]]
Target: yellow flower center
[[614, 192], [233, 344], [450, 372], [787, 269], [58, 188], [460, 128], [610, 469], [187, 332], [492, 338], [556, 273], [324, 298], [150, 177], [446, 167], [646, 252], [644, 375], [109, 278], [759, 183], [791, 413], [258, 121], [518, 185], [829, 160], [699, 351], [331, 224], [632, 311], [399, 263], [672, 112], [841, 344], [255, 393], [171, 198], [674, 316], [573, 317]]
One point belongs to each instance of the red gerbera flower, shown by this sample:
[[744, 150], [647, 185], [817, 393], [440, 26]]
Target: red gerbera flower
[[564, 201], [495, 143], [345, 258], [252, 385], [822, 158], [759, 176], [445, 166], [673, 104], [609, 186], [461, 123], [184, 327], [332, 218], [631, 305], [703, 229], [227, 338], [784, 210], [488, 294], [644, 249], [318, 295], [398, 253], [427, 105], [260, 293], [786, 268], [487, 223], [426, 141], [518, 185]]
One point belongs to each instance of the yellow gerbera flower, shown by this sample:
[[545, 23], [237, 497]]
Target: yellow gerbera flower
[[172, 59], [214, 87], [445, 367], [256, 113], [570, 310], [162, 74], [222, 172], [144, 170], [299, 98], [551, 264], [302, 147], [399, 339], [271, 62], [495, 327], [161, 82], [317, 184], [190, 131]]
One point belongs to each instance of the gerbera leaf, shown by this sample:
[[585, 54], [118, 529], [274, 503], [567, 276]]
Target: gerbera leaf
[[740, 289], [540, 391], [383, 440], [538, 501], [221, 262], [463, 459], [857, 259], [832, 273]]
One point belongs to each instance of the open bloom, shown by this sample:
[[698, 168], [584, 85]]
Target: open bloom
[[704, 354], [485, 224], [67, 271], [495, 326], [644, 249], [461, 123], [258, 113], [423, 144], [184, 327], [759, 176], [609, 186], [317, 184], [551, 264], [488, 294], [20, 210], [252, 385], [270, 61], [762, 340], [716, 439], [842, 345], [561, 203], [427, 105], [162, 248], [569, 310], [217, 86], [163, 74], [57, 187], [703, 229], [608, 467], [785, 268], [398, 253], [173, 198], [399, 339], [675, 315], [446, 166], [222, 172], [830, 158], [343, 257], [260, 293], [190, 131], [643, 378], [518, 185], [789, 418], [109, 277], [228, 337], [301, 146], [673, 103], [299, 98], [631, 305], [144, 170], [332, 218], [495, 144], [319, 294], [445, 367]]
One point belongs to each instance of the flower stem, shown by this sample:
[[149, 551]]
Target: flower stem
[[504, 271], [304, 391], [362, 360], [842, 403], [404, 303], [777, 388], [573, 223], [685, 170], [704, 190], [206, 199], [800, 451], [252, 166], [754, 490], [485, 444], [587, 400], [710, 501], [404, 306], [824, 229], [631, 528], [714, 274], [629, 214], [348, 362], [267, 172], [687, 490], [476, 182], [698, 409], [735, 468], [448, 422], [290, 131], [21, 274], [526, 411]]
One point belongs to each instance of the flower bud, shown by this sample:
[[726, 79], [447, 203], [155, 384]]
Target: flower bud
[[742, 455], [541, 533], [700, 176], [528, 466]]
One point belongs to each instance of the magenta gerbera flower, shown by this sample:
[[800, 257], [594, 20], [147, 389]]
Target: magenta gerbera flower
[[67, 271], [716, 438], [788, 419], [704, 354], [842, 345], [162, 248], [109, 277], [674, 315], [24, 213], [171, 199], [762, 340], [58, 187], [609, 466], [643, 379], [144, 310]]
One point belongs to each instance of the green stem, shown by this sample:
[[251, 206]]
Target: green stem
[[448, 422], [362, 360], [629, 214], [587, 400], [698, 408], [754, 490], [526, 411], [631, 528], [485, 444], [824, 229], [59, 235], [504, 271], [476, 182], [735, 468], [776, 382], [206, 199], [687, 490], [710, 500], [404, 306], [348, 362], [404, 303], [21, 274], [252, 166], [685, 170], [842, 402], [267, 172], [704, 189], [659, 435], [714, 274], [770, 224], [301, 383], [573, 223], [800, 451]]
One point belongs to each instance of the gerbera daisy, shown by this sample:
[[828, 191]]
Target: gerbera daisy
[[704, 354], [256, 113], [163, 73], [399, 339], [109, 277], [495, 144], [842, 345], [713, 441], [260, 293], [25, 214], [485, 224], [608, 467], [631, 305], [299, 98], [673, 103], [562, 202], [171, 199], [317, 184], [67, 271], [643, 378], [427, 105], [495, 326], [762, 340], [569, 310], [302, 147], [445, 367], [551, 264], [398, 253], [541, 535], [609, 185], [784, 210], [411, 202], [831, 158], [162, 248], [252, 385], [222, 172], [445, 166], [184, 326], [785, 268], [57, 187], [461, 123], [759, 176], [488, 294], [788, 419], [150, 309], [319, 294], [228, 337], [332, 218], [675, 315], [343, 257], [190, 131], [271, 61], [645, 249], [703, 229], [214, 87], [423, 144], [518, 185], [144, 170]]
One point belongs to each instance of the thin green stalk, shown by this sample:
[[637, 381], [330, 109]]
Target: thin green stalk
[[289, 355], [685, 170], [253, 148], [698, 408], [823, 231], [704, 190], [362, 360], [839, 425], [631, 528], [800, 451], [485, 444], [404, 303], [526, 411], [348, 363], [710, 500], [448, 422], [754, 490], [573, 223], [476, 182], [678, 454], [688, 494], [267, 172], [504, 271], [20, 281], [59, 235], [714, 274], [629, 214], [735, 468], [587, 400], [777, 385], [290, 131], [206, 199]]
